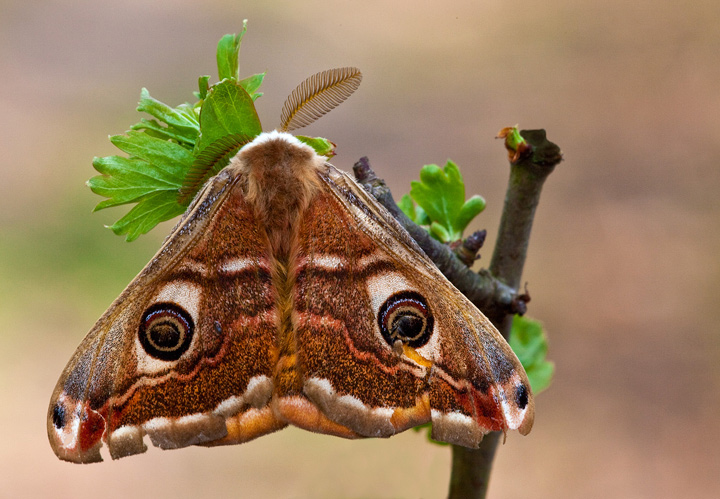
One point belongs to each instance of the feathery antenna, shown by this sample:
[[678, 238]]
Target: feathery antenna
[[318, 95]]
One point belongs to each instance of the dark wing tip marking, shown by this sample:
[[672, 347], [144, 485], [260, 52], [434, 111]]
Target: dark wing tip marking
[[521, 396], [59, 416]]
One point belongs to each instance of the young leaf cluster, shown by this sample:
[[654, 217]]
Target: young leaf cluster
[[441, 204], [162, 152], [170, 156], [158, 157]]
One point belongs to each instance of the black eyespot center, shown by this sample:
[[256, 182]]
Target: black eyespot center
[[521, 396], [166, 335], [407, 325], [166, 331], [406, 317]]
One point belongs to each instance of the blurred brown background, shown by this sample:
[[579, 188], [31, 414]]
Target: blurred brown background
[[623, 266]]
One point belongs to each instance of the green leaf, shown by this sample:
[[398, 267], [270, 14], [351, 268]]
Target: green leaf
[[155, 129], [322, 146], [228, 50], [422, 218], [427, 427], [146, 178], [227, 110], [469, 210], [513, 139], [125, 180], [439, 232], [407, 205], [151, 210], [441, 194], [227, 117], [153, 165], [413, 211], [203, 86], [252, 83], [162, 154], [181, 121], [529, 343]]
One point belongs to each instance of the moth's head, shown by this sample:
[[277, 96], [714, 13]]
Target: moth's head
[[280, 176]]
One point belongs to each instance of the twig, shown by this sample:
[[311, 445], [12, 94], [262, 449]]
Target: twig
[[530, 166]]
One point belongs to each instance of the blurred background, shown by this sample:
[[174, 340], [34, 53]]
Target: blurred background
[[623, 264]]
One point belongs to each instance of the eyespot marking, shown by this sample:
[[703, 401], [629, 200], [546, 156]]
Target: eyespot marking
[[405, 317], [166, 331]]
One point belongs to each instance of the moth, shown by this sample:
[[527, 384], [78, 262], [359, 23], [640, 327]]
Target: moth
[[285, 295]]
